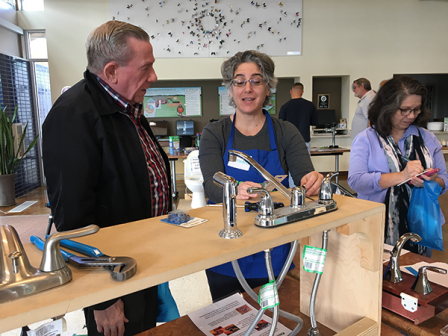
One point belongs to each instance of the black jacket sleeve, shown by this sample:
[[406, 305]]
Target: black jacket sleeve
[[72, 161]]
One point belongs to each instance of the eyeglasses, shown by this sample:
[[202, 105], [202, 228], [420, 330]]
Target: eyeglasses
[[406, 112], [239, 82]]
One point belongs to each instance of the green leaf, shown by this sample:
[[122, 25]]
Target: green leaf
[[9, 160]]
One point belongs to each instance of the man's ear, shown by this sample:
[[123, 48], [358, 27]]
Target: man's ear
[[110, 72]]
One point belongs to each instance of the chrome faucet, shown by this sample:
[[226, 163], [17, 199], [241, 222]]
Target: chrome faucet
[[298, 209], [229, 192], [393, 273], [326, 192], [18, 278]]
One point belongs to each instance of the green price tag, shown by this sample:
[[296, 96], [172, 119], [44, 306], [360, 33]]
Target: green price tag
[[314, 259], [268, 296]]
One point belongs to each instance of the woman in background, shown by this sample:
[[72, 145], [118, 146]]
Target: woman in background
[[395, 148], [275, 144]]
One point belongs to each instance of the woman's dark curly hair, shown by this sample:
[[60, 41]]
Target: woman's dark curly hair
[[390, 98]]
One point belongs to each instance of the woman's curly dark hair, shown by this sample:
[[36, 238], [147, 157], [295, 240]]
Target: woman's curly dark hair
[[389, 99]]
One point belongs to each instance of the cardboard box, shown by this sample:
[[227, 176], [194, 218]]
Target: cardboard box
[[174, 145]]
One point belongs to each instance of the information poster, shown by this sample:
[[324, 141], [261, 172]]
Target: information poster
[[172, 102], [225, 109]]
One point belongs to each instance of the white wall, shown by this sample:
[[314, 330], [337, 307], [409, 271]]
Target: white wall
[[353, 38], [10, 41]]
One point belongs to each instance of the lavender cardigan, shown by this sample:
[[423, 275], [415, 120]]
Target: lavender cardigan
[[368, 162]]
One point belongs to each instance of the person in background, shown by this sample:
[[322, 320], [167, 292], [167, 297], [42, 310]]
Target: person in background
[[102, 163], [363, 90], [299, 112], [395, 148], [275, 144]]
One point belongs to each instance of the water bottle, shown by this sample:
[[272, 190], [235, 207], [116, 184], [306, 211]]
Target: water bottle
[[198, 139]]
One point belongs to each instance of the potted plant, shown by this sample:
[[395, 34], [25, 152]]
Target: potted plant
[[9, 159]]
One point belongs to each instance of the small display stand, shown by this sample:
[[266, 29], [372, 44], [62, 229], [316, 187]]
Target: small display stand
[[428, 305]]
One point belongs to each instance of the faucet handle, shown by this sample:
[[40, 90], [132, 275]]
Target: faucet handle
[[266, 204], [325, 192], [421, 284], [298, 195], [52, 259]]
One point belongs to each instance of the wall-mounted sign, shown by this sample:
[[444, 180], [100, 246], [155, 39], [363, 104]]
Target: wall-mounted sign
[[323, 101]]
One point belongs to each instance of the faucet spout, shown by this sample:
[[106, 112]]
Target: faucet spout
[[263, 172], [394, 274]]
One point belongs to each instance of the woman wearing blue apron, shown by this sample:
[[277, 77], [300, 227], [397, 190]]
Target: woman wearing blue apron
[[274, 144]]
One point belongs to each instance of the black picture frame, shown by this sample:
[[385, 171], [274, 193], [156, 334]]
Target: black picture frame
[[323, 101]]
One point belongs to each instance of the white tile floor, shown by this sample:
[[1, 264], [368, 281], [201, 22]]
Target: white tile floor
[[190, 293]]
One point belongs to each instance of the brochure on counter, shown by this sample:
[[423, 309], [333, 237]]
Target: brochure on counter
[[232, 316]]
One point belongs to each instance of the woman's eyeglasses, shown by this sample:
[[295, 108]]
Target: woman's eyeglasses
[[239, 82], [408, 111]]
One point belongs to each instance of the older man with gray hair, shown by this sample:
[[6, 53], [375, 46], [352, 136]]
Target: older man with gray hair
[[363, 90], [102, 162]]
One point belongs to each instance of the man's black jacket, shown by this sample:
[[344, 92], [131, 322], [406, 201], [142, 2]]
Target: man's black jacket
[[94, 163]]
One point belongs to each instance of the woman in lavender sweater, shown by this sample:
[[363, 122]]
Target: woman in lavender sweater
[[395, 148]]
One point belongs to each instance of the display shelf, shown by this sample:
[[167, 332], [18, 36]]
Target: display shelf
[[165, 252]]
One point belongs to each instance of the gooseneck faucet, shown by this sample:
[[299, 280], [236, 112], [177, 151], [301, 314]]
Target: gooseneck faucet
[[18, 278], [229, 192], [393, 273]]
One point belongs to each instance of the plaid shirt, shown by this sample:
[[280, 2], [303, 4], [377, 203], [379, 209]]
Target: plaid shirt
[[154, 161]]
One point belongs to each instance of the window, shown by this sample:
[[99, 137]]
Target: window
[[37, 45], [7, 4], [31, 5], [36, 52]]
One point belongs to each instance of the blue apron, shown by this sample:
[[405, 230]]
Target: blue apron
[[254, 266]]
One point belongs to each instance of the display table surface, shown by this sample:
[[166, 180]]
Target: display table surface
[[165, 252]]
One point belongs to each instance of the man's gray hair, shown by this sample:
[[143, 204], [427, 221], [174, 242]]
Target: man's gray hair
[[363, 81], [109, 42], [265, 63]]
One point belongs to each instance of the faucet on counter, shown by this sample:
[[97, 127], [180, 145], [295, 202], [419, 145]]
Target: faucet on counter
[[18, 278], [298, 209], [393, 273], [229, 192]]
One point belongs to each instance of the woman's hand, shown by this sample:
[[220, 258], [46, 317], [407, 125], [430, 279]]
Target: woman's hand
[[312, 182], [418, 181], [242, 190], [413, 168]]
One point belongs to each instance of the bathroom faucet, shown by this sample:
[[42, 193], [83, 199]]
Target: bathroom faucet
[[18, 278], [229, 192], [393, 273]]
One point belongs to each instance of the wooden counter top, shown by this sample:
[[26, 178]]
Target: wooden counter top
[[165, 252]]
